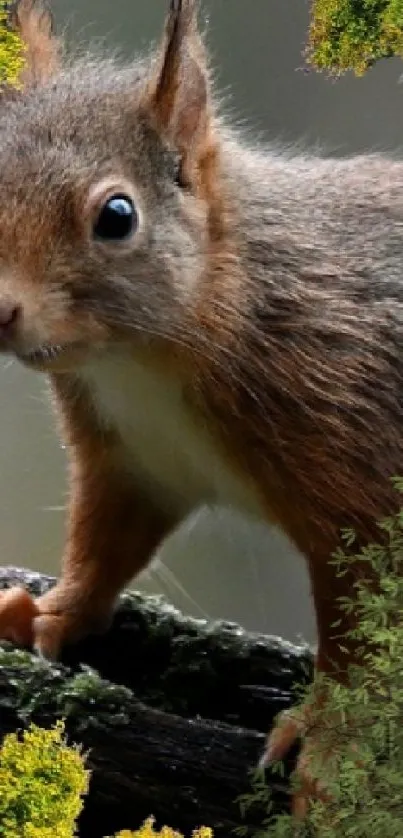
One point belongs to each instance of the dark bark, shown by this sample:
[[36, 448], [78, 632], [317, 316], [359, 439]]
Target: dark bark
[[173, 710]]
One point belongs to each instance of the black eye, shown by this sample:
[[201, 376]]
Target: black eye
[[117, 220]]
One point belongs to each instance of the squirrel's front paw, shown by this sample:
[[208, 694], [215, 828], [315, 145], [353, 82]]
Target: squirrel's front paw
[[22, 622], [18, 610], [37, 624], [317, 759]]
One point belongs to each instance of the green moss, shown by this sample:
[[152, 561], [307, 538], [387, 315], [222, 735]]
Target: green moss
[[354, 34], [43, 690], [12, 51]]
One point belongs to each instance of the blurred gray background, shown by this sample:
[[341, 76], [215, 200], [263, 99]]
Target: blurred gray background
[[221, 566]]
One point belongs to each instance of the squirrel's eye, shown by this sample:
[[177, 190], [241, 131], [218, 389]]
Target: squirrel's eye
[[117, 220]]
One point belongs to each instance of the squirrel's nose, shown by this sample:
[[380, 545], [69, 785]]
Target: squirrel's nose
[[9, 316]]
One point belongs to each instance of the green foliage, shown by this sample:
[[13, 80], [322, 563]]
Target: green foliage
[[361, 724], [354, 34], [12, 51]]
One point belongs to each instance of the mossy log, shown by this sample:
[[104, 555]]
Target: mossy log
[[172, 711]]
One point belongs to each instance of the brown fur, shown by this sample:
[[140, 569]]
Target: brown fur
[[108, 517], [269, 285]]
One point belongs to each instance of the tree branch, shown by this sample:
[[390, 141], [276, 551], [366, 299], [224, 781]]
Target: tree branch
[[172, 710]]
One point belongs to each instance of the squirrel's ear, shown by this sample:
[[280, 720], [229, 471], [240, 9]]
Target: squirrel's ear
[[180, 90], [33, 22]]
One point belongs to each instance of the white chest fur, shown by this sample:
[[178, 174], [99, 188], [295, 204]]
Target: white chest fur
[[175, 458]]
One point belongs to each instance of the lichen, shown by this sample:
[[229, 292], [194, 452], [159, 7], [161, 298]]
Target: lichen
[[147, 830], [42, 783], [354, 34], [12, 51]]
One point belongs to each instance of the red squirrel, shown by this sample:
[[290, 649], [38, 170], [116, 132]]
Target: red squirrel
[[219, 323]]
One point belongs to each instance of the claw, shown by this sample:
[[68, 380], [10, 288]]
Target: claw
[[50, 631], [293, 725], [289, 728]]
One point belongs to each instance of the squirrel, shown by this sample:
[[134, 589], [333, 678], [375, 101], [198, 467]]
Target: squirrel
[[219, 323]]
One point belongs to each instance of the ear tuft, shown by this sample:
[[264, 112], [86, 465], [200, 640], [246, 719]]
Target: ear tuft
[[32, 21], [180, 92]]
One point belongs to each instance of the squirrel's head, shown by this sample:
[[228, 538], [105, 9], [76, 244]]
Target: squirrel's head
[[108, 191]]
